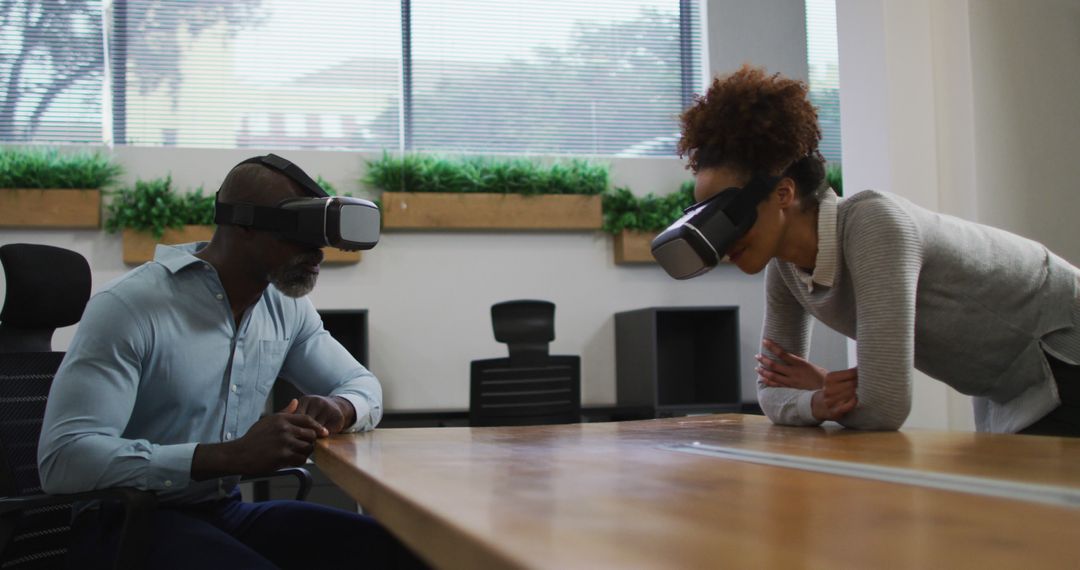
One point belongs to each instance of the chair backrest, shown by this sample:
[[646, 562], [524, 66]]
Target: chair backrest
[[504, 394], [530, 387], [47, 288], [40, 536], [526, 326]]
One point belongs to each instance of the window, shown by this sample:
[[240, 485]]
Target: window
[[51, 71], [258, 73], [824, 63], [600, 77]]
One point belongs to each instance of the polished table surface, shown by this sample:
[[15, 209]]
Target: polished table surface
[[606, 495]]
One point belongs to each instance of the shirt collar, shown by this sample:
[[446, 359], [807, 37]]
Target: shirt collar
[[825, 262], [177, 257]]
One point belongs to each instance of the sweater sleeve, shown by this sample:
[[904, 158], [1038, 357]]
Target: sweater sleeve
[[883, 253], [788, 324]]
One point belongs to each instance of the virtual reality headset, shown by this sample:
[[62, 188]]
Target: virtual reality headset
[[699, 240], [320, 220]]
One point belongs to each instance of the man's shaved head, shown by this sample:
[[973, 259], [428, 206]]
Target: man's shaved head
[[257, 184]]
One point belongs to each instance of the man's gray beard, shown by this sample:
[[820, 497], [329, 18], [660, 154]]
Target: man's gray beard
[[293, 280]]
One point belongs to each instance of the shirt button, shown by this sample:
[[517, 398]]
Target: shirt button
[[234, 388], [220, 296], [168, 483], [228, 435]]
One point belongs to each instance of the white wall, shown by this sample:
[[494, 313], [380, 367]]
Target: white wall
[[966, 107], [771, 33], [429, 294], [1026, 76]]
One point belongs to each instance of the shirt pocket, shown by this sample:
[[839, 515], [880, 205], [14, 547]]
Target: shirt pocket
[[271, 358]]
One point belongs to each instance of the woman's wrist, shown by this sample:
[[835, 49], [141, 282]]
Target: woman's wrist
[[817, 406]]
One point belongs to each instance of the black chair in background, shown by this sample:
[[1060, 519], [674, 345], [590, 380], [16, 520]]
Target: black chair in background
[[530, 387], [34, 526], [47, 288]]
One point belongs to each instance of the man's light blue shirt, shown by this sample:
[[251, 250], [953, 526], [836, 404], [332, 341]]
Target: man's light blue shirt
[[158, 366]]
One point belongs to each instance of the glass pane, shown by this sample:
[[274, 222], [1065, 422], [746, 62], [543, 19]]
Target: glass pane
[[51, 70], [600, 77], [824, 63], [262, 73]]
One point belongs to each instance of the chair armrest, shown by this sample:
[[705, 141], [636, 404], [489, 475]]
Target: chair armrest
[[303, 478], [127, 495], [139, 506]]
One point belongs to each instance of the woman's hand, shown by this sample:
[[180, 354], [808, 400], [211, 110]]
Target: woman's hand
[[837, 397], [788, 370]]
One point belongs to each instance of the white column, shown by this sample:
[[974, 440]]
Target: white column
[[905, 101]]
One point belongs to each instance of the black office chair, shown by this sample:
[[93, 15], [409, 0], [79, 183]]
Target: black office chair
[[530, 387], [47, 288]]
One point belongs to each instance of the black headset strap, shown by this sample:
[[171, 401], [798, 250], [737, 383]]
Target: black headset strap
[[266, 217], [292, 171], [256, 217], [757, 189]]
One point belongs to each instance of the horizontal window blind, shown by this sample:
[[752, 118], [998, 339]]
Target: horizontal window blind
[[559, 76], [604, 77], [52, 63], [824, 62], [258, 73]]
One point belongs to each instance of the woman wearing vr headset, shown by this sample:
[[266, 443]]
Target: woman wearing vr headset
[[991, 314]]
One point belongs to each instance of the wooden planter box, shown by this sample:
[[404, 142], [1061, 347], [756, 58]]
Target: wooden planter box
[[453, 211], [139, 246], [634, 247], [36, 208]]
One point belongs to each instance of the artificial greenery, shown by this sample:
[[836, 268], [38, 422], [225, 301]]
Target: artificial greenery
[[153, 205], [625, 211], [427, 173], [329, 188], [47, 168], [835, 177]]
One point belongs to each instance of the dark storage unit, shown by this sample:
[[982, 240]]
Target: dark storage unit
[[678, 360], [350, 328]]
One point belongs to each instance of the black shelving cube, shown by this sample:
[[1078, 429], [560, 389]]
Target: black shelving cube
[[350, 328], [678, 360]]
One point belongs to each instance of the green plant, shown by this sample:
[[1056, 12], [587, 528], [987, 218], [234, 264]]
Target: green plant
[[625, 211], [427, 173], [47, 168], [153, 205], [329, 188], [835, 177]]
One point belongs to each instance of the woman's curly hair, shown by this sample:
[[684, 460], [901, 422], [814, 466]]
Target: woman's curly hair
[[759, 124]]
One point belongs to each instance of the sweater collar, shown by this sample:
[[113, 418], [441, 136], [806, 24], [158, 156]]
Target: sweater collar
[[825, 262]]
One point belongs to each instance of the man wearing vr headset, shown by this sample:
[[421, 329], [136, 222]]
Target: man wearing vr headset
[[992, 314], [169, 371]]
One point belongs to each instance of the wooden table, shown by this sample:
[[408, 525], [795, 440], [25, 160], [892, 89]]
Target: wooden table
[[606, 495]]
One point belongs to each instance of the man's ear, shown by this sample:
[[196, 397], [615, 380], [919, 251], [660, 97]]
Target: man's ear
[[786, 193]]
